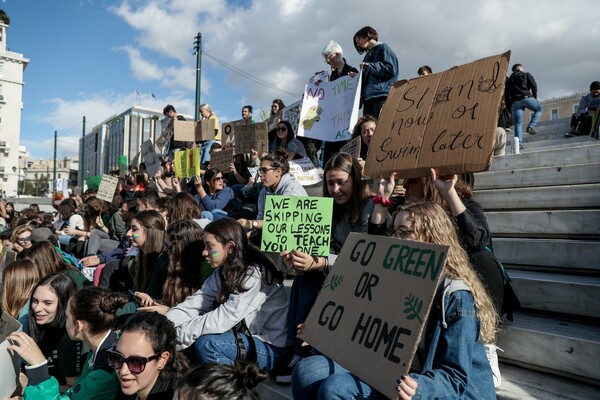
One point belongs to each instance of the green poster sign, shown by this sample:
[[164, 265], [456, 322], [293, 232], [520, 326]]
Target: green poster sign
[[93, 182], [297, 223]]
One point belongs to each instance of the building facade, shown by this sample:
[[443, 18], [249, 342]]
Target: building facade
[[12, 67], [39, 175], [560, 107], [118, 136]]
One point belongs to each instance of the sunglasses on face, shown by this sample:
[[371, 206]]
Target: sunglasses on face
[[136, 364], [24, 240], [218, 178], [282, 129]]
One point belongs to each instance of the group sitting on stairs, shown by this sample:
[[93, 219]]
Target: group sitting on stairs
[[587, 115]]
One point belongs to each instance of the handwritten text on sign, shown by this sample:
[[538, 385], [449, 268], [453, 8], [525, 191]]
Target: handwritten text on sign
[[445, 121], [250, 137], [187, 163], [373, 306], [297, 222], [330, 109], [106, 190]]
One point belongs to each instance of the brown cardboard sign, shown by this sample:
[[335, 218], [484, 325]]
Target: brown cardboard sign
[[251, 136], [194, 131], [228, 132], [373, 307], [445, 121], [352, 147], [221, 160]]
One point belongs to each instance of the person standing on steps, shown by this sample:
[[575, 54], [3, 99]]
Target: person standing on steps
[[520, 93]]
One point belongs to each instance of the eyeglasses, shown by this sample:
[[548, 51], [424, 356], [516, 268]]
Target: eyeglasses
[[402, 231], [264, 170], [282, 129], [136, 364], [24, 240], [218, 178]]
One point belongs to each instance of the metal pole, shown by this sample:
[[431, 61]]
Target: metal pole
[[82, 162], [198, 53], [54, 176]]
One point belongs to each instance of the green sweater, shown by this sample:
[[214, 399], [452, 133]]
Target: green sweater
[[97, 381]]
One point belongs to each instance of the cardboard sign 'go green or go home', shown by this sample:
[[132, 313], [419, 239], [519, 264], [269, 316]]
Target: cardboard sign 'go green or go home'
[[297, 223], [373, 307]]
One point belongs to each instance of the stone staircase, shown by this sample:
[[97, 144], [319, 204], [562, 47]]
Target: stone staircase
[[543, 208]]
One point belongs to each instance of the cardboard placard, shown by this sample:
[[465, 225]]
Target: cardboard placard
[[250, 137], [228, 132], [373, 307], [106, 190], [9, 363], [187, 163], [221, 160], [304, 171], [445, 121], [330, 109], [291, 114], [297, 222], [194, 131], [150, 158], [352, 147]]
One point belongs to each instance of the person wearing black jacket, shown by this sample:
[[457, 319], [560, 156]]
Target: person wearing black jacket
[[520, 93]]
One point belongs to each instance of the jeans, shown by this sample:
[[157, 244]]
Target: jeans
[[319, 377], [100, 241], [214, 214], [305, 290], [517, 109], [205, 151], [222, 348]]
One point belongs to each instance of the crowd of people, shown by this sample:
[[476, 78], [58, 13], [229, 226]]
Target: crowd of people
[[164, 293]]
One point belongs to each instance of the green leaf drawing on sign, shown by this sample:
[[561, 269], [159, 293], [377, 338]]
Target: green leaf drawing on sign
[[336, 280], [413, 307]]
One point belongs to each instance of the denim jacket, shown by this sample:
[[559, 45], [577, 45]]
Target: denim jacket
[[455, 365], [380, 70]]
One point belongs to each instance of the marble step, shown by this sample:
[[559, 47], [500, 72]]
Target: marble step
[[557, 255], [565, 224], [543, 197], [557, 293], [552, 344]]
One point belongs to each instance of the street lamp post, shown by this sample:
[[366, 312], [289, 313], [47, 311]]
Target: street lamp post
[[14, 169]]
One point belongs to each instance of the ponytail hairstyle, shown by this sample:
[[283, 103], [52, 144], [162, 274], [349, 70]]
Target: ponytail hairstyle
[[98, 307], [212, 381], [278, 159], [163, 337], [237, 266]]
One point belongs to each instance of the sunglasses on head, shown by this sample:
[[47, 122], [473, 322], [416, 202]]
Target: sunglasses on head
[[136, 364]]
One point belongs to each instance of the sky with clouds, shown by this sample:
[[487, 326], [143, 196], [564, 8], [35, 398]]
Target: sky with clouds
[[88, 57]]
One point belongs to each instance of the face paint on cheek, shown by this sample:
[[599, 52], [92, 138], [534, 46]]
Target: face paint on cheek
[[214, 254], [135, 236]]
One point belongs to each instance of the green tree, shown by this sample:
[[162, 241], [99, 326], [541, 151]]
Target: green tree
[[4, 18]]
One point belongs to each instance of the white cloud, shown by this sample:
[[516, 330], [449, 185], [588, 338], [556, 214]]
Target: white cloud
[[141, 68]]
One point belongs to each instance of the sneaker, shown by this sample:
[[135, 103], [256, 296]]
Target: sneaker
[[531, 131], [520, 147], [571, 133], [285, 375], [492, 356]]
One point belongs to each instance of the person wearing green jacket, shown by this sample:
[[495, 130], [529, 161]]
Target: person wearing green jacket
[[91, 317]]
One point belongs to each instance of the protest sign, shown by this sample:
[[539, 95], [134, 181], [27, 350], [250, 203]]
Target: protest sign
[[371, 311], [352, 147], [150, 158], [228, 131], [304, 171], [445, 121], [297, 222], [221, 160], [194, 131], [251, 136], [9, 364], [330, 109], [291, 114], [106, 190], [122, 162], [187, 163], [61, 189]]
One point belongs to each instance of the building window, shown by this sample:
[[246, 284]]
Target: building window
[[1, 69], [554, 112], [58, 176]]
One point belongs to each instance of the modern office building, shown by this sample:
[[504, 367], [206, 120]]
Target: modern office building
[[12, 66], [119, 135]]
